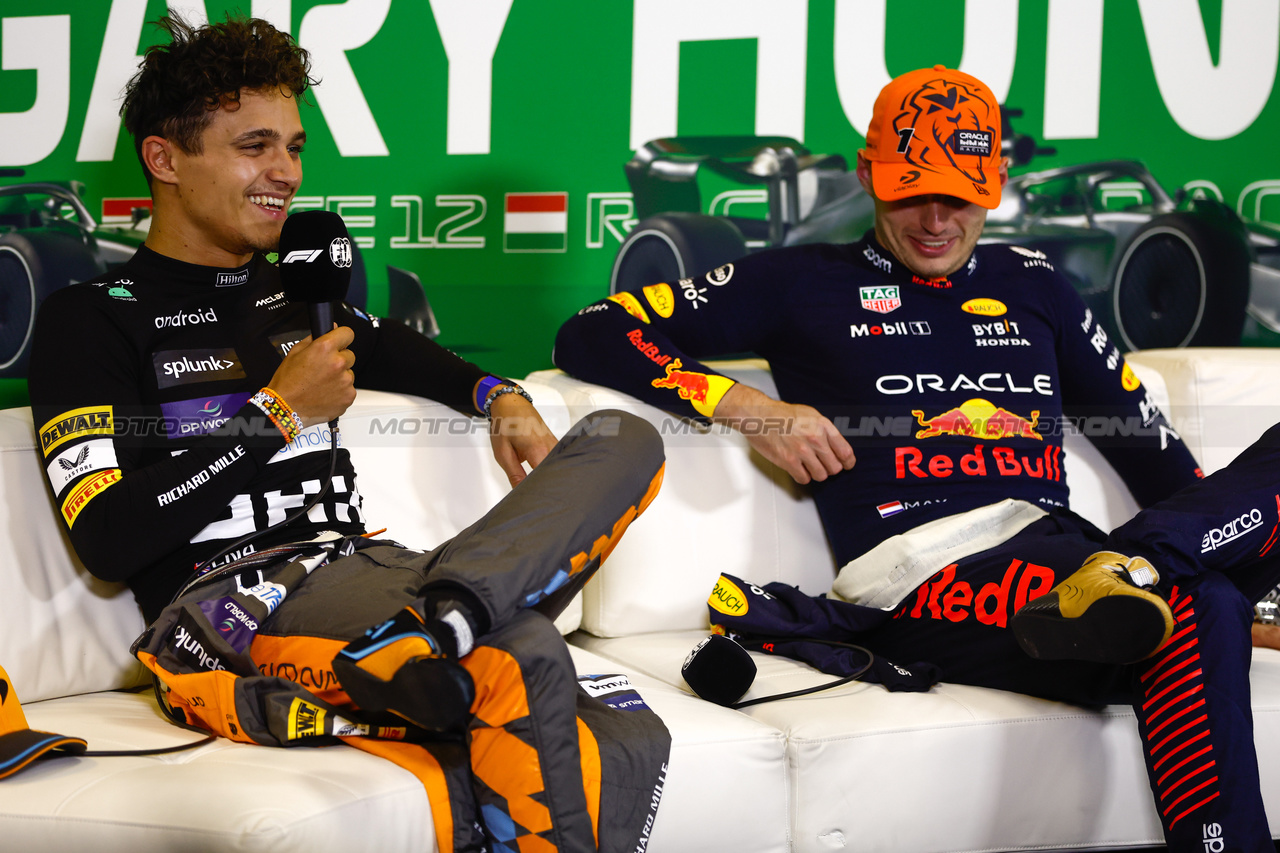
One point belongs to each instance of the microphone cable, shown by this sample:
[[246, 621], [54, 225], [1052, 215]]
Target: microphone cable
[[807, 690]]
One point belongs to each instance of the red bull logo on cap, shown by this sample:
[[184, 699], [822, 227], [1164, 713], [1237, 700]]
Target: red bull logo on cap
[[978, 418]]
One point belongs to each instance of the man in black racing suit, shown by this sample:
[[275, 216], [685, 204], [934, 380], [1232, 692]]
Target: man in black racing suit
[[954, 370], [181, 406]]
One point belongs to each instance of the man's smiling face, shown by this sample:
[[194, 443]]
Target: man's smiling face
[[933, 235], [232, 197]]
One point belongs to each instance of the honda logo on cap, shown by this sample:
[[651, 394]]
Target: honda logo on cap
[[340, 252]]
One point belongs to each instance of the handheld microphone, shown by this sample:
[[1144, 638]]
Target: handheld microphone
[[719, 670], [315, 264]]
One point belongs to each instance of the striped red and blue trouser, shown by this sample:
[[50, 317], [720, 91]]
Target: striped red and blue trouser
[[1215, 546]]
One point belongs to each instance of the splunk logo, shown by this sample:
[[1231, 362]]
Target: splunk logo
[[186, 367], [184, 641], [1232, 530]]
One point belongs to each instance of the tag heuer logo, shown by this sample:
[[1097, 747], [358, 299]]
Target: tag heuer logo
[[882, 300]]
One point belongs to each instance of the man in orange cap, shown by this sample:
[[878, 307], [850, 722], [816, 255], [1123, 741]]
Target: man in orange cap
[[952, 367], [934, 141]]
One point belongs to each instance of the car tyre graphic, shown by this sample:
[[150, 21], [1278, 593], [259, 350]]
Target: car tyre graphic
[[33, 264], [1181, 281], [672, 246]]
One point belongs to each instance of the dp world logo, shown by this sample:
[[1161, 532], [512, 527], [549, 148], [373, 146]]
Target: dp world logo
[[340, 252]]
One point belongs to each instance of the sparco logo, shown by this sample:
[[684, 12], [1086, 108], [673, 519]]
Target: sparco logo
[[1233, 529], [881, 263], [340, 252], [1211, 837], [182, 318]]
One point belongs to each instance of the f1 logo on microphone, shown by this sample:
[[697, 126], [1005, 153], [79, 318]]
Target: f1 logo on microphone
[[305, 256], [340, 252]]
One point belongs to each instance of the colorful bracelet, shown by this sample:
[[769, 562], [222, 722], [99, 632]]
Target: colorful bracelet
[[508, 387], [274, 407], [483, 387]]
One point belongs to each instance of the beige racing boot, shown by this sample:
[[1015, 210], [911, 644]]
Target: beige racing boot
[[1107, 612]]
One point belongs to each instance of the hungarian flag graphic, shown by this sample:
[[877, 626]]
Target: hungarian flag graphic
[[535, 222], [119, 211]]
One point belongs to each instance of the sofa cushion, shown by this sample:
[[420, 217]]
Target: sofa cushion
[[62, 631], [426, 472], [959, 768], [1219, 399], [226, 796], [722, 508]]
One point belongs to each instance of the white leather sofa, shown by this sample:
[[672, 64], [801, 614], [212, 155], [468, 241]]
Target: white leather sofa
[[858, 768]]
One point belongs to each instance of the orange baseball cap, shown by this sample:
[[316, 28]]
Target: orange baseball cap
[[935, 130], [19, 743]]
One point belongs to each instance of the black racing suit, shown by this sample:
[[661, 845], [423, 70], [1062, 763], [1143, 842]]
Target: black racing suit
[[955, 393], [139, 387]]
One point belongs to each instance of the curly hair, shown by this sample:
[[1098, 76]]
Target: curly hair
[[182, 83]]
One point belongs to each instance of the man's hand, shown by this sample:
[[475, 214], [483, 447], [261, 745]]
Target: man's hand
[[798, 439], [1266, 636], [316, 379], [518, 435]]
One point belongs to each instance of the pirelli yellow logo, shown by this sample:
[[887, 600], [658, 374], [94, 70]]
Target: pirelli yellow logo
[[91, 420], [85, 491], [305, 720]]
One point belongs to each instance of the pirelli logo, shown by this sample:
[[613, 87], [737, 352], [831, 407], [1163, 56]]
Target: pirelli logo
[[91, 420], [88, 489]]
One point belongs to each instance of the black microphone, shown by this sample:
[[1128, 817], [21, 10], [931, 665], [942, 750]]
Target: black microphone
[[315, 264], [719, 670]]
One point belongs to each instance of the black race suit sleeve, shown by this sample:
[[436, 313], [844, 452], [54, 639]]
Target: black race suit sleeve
[[86, 395], [1104, 399], [129, 500], [650, 343]]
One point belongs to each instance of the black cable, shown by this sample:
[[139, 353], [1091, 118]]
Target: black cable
[[207, 576], [160, 750], [806, 691]]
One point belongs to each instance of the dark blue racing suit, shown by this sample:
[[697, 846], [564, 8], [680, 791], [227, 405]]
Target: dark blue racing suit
[[955, 394]]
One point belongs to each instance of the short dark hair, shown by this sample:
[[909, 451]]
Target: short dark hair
[[180, 84]]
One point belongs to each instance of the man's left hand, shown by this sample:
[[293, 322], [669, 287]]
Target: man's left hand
[[518, 435]]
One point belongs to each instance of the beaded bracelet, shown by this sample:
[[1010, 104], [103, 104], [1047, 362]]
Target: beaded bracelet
[[483, 387], [274, 407], [507, 388]]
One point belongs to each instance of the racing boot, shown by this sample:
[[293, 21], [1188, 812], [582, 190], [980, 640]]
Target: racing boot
[[408, 666], [1107, 612]]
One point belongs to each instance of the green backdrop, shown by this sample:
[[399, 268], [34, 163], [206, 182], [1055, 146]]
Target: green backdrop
[[431, 114]]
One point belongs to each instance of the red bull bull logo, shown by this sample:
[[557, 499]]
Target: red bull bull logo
[[703, 390], [689, 385], [978, 418]]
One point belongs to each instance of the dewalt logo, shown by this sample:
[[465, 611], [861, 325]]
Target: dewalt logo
[[90, 420]]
